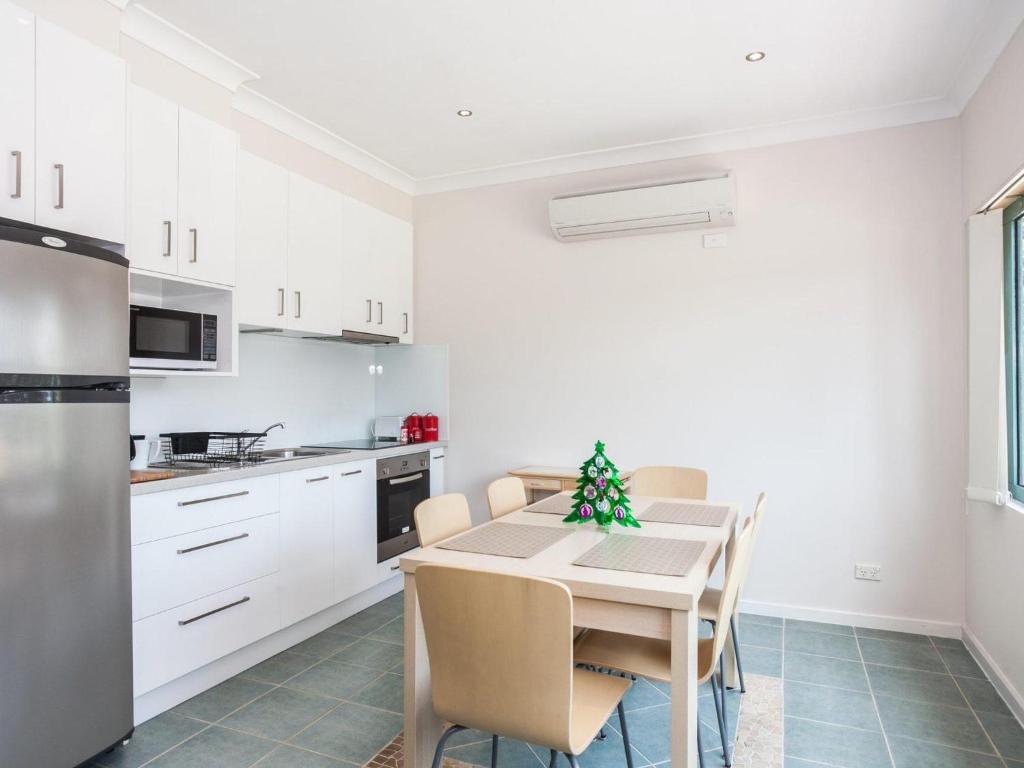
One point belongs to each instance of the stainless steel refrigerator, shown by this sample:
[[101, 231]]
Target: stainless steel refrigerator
[[65, 568]]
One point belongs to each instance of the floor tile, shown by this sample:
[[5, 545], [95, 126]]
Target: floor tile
[[643, 694], [392, 632], [371, 653], [948, 642], [223, 699], [279, 668], [150, 739], [761, 661], [818, 626], [386, 692], [216, 748], [351, 732], [756, 618], [511, 754], [468, 736], [938, 688], [366, 621], [609, 753], [982, 695], [763, 635], [332, 678], [838, 673], [886, 634], [932, 722], [796, 762], [909, 753], [649, 732], [835, 745], [837, 706], [822, 644], [707, 712], [293, 757], [280, 714], [895, 653], [1006, 733], [394, 605], [960, 662], [325, 644]]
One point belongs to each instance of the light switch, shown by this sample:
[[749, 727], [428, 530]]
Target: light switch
[[716, 240]]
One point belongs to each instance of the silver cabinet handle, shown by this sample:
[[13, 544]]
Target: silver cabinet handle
[[439, 457], [298, 304], [317, 479], [280, 302], [60, 185], [186, 622], [212, 498], [395, 567], [353, 472], [369, 310], [167, 239], [405, 315], [195, 244], [213, 544], [16, 154], [409, 479], [380, 310]]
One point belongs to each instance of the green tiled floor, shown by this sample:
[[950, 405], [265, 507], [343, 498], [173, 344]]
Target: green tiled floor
[[854, 698]]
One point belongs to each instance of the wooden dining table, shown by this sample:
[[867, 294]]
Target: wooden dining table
[[640, 604]]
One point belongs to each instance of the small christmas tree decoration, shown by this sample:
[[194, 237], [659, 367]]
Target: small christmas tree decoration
[[600, 495]]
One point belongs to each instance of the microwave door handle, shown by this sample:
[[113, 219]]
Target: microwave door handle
[[407, 479]]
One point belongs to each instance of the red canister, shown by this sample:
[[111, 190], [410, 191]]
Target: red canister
[[430, 427], [414, 423]]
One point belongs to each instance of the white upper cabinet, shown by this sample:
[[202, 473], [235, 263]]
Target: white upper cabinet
[[314, 263], [261, 285], [153, 182], [359, 288], [18, 108], [206, 199], [80, 135], [395, 258]]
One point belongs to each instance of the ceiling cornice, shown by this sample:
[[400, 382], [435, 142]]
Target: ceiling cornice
[[162, 36], [253, 104], [725, 141]]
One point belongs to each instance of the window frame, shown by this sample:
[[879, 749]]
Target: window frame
[[1013, 230]]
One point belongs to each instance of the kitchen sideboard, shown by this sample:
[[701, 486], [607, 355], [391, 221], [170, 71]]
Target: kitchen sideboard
[[224, 563]]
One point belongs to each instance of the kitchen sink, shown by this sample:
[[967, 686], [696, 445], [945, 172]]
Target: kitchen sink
[[280, 454]]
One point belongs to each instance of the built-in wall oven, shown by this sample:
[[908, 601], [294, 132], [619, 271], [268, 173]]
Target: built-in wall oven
[[402, 483]]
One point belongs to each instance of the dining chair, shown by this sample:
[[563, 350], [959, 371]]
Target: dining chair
[[677, 482], [652, 658], [442, 516], [711, 598], [506, 495], [500, 650]]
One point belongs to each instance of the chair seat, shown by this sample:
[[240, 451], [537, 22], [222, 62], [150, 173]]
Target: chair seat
[[708, 606], [594, 698], [643, 656]]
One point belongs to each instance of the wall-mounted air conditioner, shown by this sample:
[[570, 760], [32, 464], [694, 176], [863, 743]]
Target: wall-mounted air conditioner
[[642, 210]]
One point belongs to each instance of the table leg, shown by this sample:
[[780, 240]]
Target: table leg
[[422, 726], [684, 689]]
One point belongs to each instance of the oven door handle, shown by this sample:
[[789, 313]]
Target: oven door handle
[[409, 479]]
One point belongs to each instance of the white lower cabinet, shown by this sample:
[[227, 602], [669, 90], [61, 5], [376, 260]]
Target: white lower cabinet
[[355, 528], [307, 543], [437, 460]]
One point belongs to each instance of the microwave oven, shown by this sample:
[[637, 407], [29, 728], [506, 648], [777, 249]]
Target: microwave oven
[[170, 339]]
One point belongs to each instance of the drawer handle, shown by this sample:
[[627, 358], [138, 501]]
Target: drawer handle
[[439, 457], [395, 567], [213, 544], [353, 472], [186, 622], [409, 479], [212, 498], [317, 479]]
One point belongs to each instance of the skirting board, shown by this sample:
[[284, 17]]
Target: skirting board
[[171, 694], [1002, 683], [868, 620]]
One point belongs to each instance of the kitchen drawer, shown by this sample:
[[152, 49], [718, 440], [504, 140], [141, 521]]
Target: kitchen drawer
[[176, 642], [172, 513], [174, 571], [390, 568], [543, 484]]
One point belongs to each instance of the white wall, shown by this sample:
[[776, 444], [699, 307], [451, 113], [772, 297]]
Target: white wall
[[322, 391], [415, 380], [820, 356]]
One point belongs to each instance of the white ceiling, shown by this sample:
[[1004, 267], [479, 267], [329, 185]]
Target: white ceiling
[[555, 78]]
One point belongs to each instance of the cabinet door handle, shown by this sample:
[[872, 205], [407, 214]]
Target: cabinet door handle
[[439, 457], [60, 185], [16, 154], [380, 310], [298, 304], [353, 472], [212, 498], [213, 544], [280, 302], [317, 479], [167, 239], [186, 622], [369, 310], [195, 245], [409, 479], [405, 316], [395, 567]]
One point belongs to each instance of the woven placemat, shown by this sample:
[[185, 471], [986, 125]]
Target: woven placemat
[[643, 554], [686, 514], [552, 505], [507, 539]]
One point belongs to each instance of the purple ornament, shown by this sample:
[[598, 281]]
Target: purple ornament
[[586, 511], [620, 513], [601, 483]]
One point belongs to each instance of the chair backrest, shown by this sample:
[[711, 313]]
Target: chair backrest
[[731, 588], [500, 652], [758, 518], [439, 517], [676, 482], [506, 495]]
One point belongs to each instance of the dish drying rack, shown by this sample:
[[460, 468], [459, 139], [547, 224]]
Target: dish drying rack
[[212, 447]]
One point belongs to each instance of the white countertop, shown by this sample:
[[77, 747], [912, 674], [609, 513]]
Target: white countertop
[[191, 478]]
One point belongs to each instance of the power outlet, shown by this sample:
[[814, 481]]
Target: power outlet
[[867, 572]]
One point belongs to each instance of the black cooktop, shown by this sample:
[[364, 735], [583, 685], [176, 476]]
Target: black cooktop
[[358, 445]]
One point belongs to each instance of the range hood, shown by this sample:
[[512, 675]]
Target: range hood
[[345, 337]]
